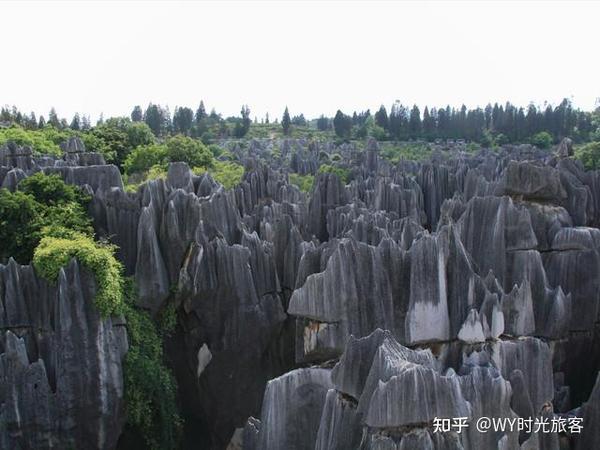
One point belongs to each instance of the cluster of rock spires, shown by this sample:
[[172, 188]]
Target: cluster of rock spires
[[346, 318]]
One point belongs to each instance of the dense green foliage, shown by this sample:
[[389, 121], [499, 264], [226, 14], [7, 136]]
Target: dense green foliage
[[144, 157], [19, 225], [117, 137], [53, 253], [51, 190], [286, 122], [589, 155], [409, 151], [543, 139], [304, 182], [228, 173], [43, 204], [43, 141], [188, 150], [342, 174], [150, 388]]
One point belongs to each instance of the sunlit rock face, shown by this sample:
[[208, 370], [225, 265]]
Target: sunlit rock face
[[466, 285]]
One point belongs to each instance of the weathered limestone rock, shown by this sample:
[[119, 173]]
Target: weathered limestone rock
[[61, 379], [292, 409], [533, 182]]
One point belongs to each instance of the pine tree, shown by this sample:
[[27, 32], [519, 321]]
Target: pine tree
[[428, 125], [342, 124], [136, 114], [414, 123], [75, 123], [53, 118], [286, 122], [322, 123], [381, 118], [200, 113]]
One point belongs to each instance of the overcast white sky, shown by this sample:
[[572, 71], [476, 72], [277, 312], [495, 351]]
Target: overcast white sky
[[314, 57]]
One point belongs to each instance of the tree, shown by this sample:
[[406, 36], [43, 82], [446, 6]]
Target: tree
[[118, 136], [144, 157], [381, 118], [53, 118], [200, 113], [589, 155], [286, 122], [85, 123], [136, 114], [299, 121], [543, 139], [183, 120], [246, 121], [51, 189], [428, 124], [342, 124], [75, 123], [188, 150], [414, 123], [19, 226], [322, 123], [156, 118]]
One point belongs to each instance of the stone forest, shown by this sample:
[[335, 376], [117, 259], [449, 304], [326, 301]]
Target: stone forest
[[353, 283]]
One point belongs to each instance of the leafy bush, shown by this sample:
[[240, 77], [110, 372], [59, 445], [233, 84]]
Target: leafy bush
[[53, 253], [188, 150], [228, 173], [473, 147], [150, 388], [44, 141], [342, 174], [501, 139], [51, 189], [589, 155], [118, 136], [543, 139], [215, 150], [413, 152], [19, 225], [144, 157], [43, 203], [304, 182]]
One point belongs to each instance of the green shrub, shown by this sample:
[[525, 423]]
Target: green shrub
[[51, 189], [215, 150], [501, 139], [188, 150], [413, 152], [304, 182], [44, 141], [150, 388], [228, 173], [42, 204], [20, 217], [142, 158], [473, 147], [589, 155], [342, 174], [118, 137], [53, 253], [543, 139]]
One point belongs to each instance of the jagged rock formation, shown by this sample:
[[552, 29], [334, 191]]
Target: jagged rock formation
[[61, 380], [482, 268]]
